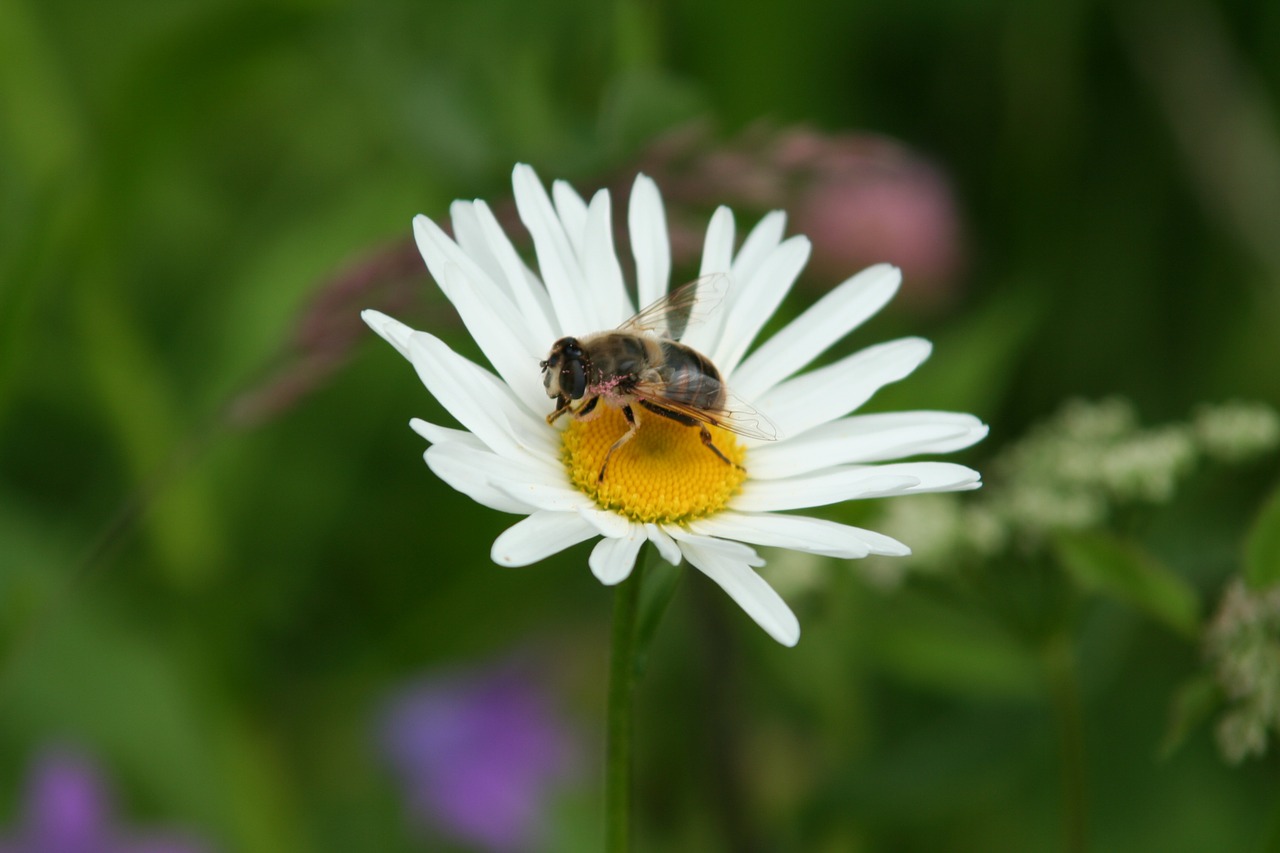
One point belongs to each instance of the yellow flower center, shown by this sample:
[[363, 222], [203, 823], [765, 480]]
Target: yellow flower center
[[663, 474]]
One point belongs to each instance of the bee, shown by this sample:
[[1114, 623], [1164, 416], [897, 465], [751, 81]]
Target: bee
[[641, 365]]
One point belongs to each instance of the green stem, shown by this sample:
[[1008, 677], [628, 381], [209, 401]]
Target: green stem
[[622, 680], [1272, 842], [1064, 687]]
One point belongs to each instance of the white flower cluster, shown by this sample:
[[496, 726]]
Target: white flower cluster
[[1243, 647], [1090, 455], [1234, 431], [1070, 473]]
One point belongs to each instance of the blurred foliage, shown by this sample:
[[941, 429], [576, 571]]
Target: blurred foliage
[[215, 609]]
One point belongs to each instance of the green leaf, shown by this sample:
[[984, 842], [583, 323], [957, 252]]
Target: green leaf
[[1104, 564], [1194, 701], [1262, 546]]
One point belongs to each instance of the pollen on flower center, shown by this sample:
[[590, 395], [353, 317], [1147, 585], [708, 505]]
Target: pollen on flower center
[[663, 474]]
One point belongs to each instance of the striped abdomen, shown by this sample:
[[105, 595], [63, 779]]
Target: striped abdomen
[[689, 377]]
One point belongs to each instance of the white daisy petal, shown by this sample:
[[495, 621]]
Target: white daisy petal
[[487, 406], [600, 265], [760, 243], [827, 487], [557, 498], [799, 533], [826, 321], [556, 261], [717, 257], [850, 482], [737, 551], [717, 249], [758, 296], [454, 470], [519, 283], [471, 239], [878, 543], [445, 435], [612, 560], [500, 317], [524, 480], [508, 473], [667, 547], [492, 318], [539, 536], [866, 438], [572, 211], [389, 329], [936, 476], [830, 392], [606, 522], [647, 225], [496, 333], [479, 400], [747, 588]]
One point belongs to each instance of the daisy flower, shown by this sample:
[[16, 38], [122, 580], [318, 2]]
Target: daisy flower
[[664, 486]]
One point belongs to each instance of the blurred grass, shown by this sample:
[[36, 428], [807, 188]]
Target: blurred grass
[[179, 177]]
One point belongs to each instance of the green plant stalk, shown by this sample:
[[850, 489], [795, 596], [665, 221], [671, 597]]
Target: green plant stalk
[[1064, 689], [622, 680]]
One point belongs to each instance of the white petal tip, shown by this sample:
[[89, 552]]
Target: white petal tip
[[503, 559], [389, 329], [787, 634], [422, 428], [523, 172], [785, 631], [608, 579]]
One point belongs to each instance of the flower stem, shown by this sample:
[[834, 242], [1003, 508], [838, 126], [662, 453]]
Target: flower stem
[[622, 679], [1064, 688]]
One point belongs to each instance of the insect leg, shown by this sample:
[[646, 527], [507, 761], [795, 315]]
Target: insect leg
[[623, 439], [586, 408], [682, 418], [562, 406], [706, 439]]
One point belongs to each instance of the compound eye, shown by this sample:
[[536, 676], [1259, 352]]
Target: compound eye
[[575, 378]]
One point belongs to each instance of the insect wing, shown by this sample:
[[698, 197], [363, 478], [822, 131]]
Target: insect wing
[[687, 305], [736, 416]]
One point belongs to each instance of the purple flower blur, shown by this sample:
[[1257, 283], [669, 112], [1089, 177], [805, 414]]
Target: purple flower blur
[[479, 754], [68, 810]]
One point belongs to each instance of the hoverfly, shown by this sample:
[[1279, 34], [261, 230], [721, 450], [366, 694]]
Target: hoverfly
[[642, 365]]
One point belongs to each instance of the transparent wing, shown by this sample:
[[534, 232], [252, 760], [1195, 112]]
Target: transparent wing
[[687, 305], [737, 415]]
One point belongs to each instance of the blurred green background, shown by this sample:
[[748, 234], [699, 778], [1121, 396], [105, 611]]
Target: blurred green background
[[213, 595]]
